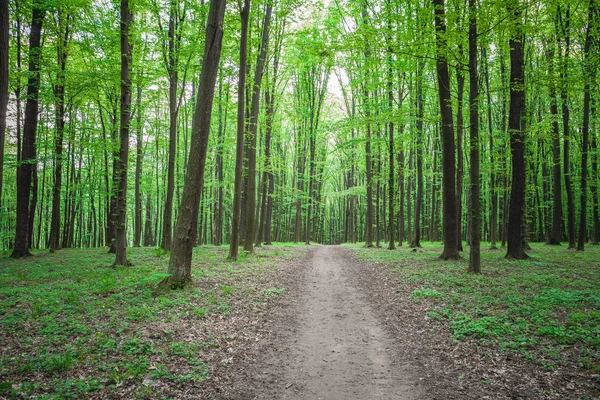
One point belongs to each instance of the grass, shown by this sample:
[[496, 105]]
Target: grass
[[73, 327], [546, 308]]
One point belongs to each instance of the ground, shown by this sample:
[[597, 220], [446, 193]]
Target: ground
[[302, 322]]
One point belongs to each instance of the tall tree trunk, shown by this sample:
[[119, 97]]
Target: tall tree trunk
[[180, 263], [416, 238], [28, 146], [475, 213], [252, 133], [493, 181], [556, 231], [515, 248], [460, 80], [4, 34], [125, 110], [139, 153], [448, 156], [59, 95], [392, 154], [589, 76], [241, 127], [564, 75], [173, 111]]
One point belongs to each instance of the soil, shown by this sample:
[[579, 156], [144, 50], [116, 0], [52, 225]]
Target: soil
[[325, 341], [348, 330]]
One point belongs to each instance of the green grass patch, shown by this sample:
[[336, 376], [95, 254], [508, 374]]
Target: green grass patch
[[547, 308], [72, 327]]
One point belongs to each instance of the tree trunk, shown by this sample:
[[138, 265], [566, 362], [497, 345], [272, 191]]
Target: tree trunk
[[252, 133], [173, 111], [28, 145], [555, 236], [460, 79], [121, 193], [59, 95], [448, 156], [180, 263], [139, 153], [475, 214], [416, 237], [4, 35], [589, 76], [515, 248], [234, 240], [392, 154]]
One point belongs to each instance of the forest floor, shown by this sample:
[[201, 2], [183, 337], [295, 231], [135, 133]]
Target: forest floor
[[302, 322]]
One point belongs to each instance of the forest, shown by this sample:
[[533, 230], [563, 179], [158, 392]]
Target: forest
[[211, 133]]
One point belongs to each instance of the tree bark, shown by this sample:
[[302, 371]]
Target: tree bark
[[59, 95], [416, 237], [589, 76], [448, 156], [125, 110], [475, 214], [252, 133], [515, 248], [180, 263], [234, 240], [555, 236], [4, 35], [28, 145], [137, 237]]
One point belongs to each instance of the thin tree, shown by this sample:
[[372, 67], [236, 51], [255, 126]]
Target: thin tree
[[241, 128], [448, 154], [555, 236], [122, 161], [28, 142], [252, 133], [475, 214], [515, 249], [180, 263], [589, 76], [139, 154], [4, 34], [59, 95]]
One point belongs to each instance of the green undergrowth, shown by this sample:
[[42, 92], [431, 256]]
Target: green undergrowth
[[73, 327], [546, 308]]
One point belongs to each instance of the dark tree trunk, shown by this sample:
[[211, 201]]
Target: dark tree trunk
[[416, 237], [475, 213], [252, 133], [234, 240], [589, 76], [460, 79], [148, 237], [4, 34], [173, 111], [218, 215], [515, 248], [493, 180], [28, 145], [392, 154], [448, 156], [137, 237], [59, 95], [566, 130], [121, 193], [180, 263], [555, 236]]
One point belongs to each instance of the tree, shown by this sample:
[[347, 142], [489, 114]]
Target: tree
[[475, 214], [4, 33], [28, 147], [252, 133], [515, 249], [241, 128], [448, 155], [122, 162], [59, 94], [180, 262]]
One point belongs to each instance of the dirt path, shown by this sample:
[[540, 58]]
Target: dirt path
[[327, 342]]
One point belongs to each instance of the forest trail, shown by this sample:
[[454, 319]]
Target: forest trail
[[329, 343]]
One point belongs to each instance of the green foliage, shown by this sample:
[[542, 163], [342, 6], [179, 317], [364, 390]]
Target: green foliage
[[67, 312], [533, 307]]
